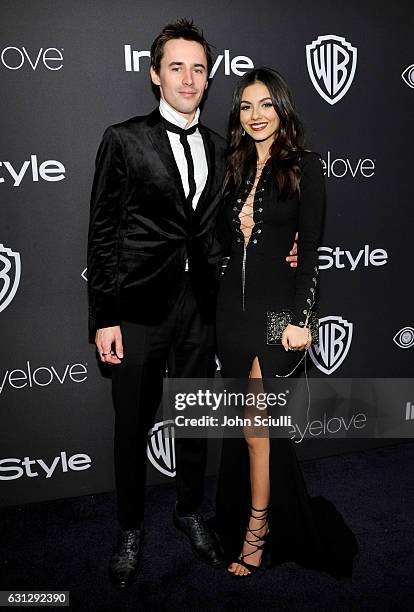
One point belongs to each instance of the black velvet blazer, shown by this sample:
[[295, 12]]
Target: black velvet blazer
[[141, 229]]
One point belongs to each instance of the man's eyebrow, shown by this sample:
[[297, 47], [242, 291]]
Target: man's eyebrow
[[182, 63]]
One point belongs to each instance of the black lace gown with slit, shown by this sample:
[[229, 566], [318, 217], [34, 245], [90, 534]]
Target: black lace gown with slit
[[257, 278]]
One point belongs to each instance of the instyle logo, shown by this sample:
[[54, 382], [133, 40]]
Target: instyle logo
[[341, 167], [347, 260], [238, 65], [331, 62], [42, 376], [15, 58], [50, 170], [408, 76], [404, 338], [13, 468], [10, 271], [335, 336], [161, 447]]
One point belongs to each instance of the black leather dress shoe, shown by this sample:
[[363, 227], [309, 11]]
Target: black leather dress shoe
[[124, 562], [204, 541]]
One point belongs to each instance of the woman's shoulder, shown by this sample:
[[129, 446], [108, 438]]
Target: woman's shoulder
[[311, 167], [310, 160], [304, 158]]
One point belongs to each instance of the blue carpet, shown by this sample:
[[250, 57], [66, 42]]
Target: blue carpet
[[66, 544]]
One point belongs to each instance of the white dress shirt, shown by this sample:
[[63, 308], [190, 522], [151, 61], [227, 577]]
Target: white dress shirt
[[198, 153]]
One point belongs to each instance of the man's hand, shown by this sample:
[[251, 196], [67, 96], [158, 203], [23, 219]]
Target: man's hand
[[292, 257], [105, 338]]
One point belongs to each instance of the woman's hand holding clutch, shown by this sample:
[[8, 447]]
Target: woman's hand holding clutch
[[296, 338]]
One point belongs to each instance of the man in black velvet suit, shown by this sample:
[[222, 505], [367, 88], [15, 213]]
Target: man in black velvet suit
[[153, 266]]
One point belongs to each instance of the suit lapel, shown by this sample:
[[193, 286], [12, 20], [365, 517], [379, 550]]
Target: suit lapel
[[161, 143], [211, 164]]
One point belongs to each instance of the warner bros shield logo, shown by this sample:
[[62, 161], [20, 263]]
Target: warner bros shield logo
[[331, 64], [161, 448], [335, 336], [10, 270]]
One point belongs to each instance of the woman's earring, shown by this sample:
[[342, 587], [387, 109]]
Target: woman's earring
[[243, 133]]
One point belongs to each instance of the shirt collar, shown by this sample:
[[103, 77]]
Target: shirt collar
[[171, 115]]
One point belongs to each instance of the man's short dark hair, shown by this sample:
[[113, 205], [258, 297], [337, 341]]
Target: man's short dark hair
[[182, 28]]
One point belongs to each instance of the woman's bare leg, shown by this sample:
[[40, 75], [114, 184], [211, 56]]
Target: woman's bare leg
[[259, 449]]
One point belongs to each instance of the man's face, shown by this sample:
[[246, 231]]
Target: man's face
[[183, 76]]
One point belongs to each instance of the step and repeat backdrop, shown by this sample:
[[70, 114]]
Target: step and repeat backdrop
[[69, 69]]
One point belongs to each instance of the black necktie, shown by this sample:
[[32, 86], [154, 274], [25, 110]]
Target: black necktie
[[170, 127]]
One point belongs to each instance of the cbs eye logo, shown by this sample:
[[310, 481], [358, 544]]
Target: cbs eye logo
[[405, 337], [408, 76]]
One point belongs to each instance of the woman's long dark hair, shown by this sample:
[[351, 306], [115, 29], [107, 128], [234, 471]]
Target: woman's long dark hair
[[285, 150]]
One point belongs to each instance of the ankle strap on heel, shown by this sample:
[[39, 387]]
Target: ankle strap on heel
[[262, 513], [257, 509]]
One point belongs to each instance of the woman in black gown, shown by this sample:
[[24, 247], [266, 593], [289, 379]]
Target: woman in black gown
[[274, 188]]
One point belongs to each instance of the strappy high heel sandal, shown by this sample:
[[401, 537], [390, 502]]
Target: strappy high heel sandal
[[258, 543]]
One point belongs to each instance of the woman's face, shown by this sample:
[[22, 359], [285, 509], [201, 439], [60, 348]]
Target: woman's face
[[257, 114]]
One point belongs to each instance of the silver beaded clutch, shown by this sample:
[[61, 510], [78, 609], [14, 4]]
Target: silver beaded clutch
[[278, 321]]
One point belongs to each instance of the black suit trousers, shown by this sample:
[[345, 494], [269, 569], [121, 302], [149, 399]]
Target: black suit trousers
[[185, 342]]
